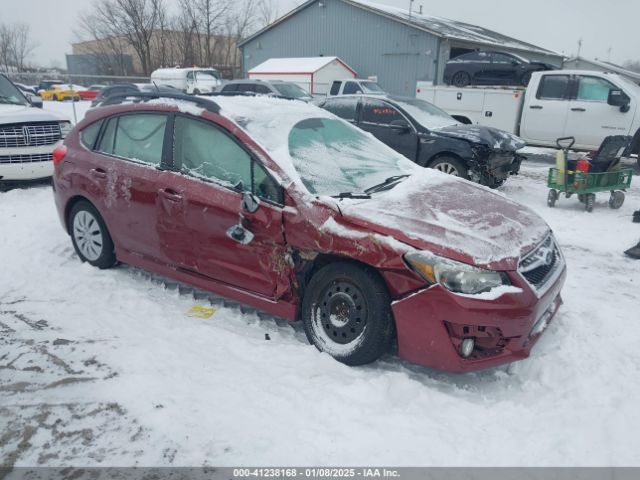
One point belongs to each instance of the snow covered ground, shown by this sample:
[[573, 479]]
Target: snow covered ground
[[106, 367]]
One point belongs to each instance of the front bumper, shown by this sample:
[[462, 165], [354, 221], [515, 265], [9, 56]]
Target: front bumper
[[431, 323], [26, 163]]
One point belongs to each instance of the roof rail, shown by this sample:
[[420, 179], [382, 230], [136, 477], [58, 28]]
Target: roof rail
[[204, 103]]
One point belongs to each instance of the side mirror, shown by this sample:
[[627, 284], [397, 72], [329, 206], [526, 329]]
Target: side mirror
[[400, 126], [250, 203], [515, 63], [617, 98], [35, 101]]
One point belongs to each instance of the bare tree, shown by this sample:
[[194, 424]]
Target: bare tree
[[267, 13], [15, 45], [133, 21]]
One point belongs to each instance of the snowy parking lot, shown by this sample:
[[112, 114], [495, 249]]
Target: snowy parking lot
[[107, 367]]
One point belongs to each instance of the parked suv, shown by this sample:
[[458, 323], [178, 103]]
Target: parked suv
[[304, 216], [277, 88], [28, 135], [427, 135], [118, 89]]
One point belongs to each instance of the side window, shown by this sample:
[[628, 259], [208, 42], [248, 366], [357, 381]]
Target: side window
[[502, 58], [335, 87], [553, 87], [230, 88], [351, 88], [594, 89], [344, 108], [261, 89], [375, 111], [204, 151], [140, 137], [264, 186], [89, 135], [190, 76]]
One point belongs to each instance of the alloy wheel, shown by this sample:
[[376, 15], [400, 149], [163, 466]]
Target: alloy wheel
[[88, 235]]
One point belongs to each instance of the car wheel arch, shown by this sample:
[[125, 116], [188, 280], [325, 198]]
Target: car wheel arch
[[69, 206]]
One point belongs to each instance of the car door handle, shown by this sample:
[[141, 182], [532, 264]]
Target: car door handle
[[170, 195], [578, 109], [536, 107], [98, 173]]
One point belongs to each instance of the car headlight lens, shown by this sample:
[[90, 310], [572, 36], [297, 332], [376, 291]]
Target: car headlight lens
[[454, 276], [65, 128]]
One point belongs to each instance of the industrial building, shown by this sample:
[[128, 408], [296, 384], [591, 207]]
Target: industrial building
[[397, 46]]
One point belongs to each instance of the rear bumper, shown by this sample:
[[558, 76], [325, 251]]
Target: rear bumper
[[432, 322]]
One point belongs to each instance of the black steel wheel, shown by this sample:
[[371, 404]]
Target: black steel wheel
[[616, 200], [346, 312], [460, 79], [90, 237], [552, 198]]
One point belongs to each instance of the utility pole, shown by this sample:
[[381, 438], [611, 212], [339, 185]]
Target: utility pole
[[579, 47], [410, 7]]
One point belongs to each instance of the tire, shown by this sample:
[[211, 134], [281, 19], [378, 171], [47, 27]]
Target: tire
[[460, 79], [589, 200], [552, 198], [525, 79], [450, 166], [346, 312], [495, 182], [91, 239], [616, 200], [196, 92]]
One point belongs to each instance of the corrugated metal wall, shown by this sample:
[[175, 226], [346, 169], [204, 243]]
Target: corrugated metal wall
[[368, 43]]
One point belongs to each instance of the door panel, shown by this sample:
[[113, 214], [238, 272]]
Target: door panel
[[544, 117], [376, 118], [590, 118]]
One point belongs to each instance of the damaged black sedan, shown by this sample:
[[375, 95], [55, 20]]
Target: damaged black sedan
[[427, 135]]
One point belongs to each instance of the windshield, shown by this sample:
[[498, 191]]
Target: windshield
[[291, 90], [371, 87], [426, 114], [206, 75], [9, 94], [332, 157]]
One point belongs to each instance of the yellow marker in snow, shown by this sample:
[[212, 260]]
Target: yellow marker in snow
[[201, 312]]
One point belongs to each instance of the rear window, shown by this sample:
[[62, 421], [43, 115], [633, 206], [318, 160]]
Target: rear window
[[89, 135], [553, 87]]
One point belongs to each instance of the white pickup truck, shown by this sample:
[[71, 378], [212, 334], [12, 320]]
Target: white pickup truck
[[561, 103]]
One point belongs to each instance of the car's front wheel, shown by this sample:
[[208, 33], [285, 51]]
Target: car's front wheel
[[90, 237], [346, 312], [450, 166]]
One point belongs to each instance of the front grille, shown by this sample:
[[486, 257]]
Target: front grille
[[39, 157], [539, 265], [29, 135]]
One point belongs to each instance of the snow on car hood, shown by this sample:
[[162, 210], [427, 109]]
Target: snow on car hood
[[23, 113], [488, 136], [452, 217]]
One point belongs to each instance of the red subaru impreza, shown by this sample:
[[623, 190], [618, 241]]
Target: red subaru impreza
[[283, 206]]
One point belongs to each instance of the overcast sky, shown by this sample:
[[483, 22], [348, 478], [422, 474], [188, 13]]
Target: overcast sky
[[552, 24]]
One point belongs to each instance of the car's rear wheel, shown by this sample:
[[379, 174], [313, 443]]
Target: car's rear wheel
[[346, 312], [450, 166], [461, 79], [90, 237]]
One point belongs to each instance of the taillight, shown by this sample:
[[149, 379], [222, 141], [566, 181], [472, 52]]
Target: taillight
[[58, 154]]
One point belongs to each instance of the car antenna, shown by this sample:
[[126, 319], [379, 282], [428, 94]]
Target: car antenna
[[157, 89]]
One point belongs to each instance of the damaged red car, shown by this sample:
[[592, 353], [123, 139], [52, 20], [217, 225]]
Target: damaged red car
[[283, 206]]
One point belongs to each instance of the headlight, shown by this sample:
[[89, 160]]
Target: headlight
[[455, 276], [65, 128]]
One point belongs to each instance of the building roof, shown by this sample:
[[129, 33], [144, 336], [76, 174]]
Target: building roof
[[606, 67], [438, 26], [301, 65]]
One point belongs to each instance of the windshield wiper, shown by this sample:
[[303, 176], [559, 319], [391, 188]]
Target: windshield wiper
[[351, 195], [387, 184]]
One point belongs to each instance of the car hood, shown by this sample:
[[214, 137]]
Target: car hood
[[22, 113], [450, 217], [487, 136]]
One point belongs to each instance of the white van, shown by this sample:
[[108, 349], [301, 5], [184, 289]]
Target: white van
[[190, 80]]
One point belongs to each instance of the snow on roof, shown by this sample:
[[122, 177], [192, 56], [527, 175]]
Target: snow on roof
[[295, 65], [451, 28]]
